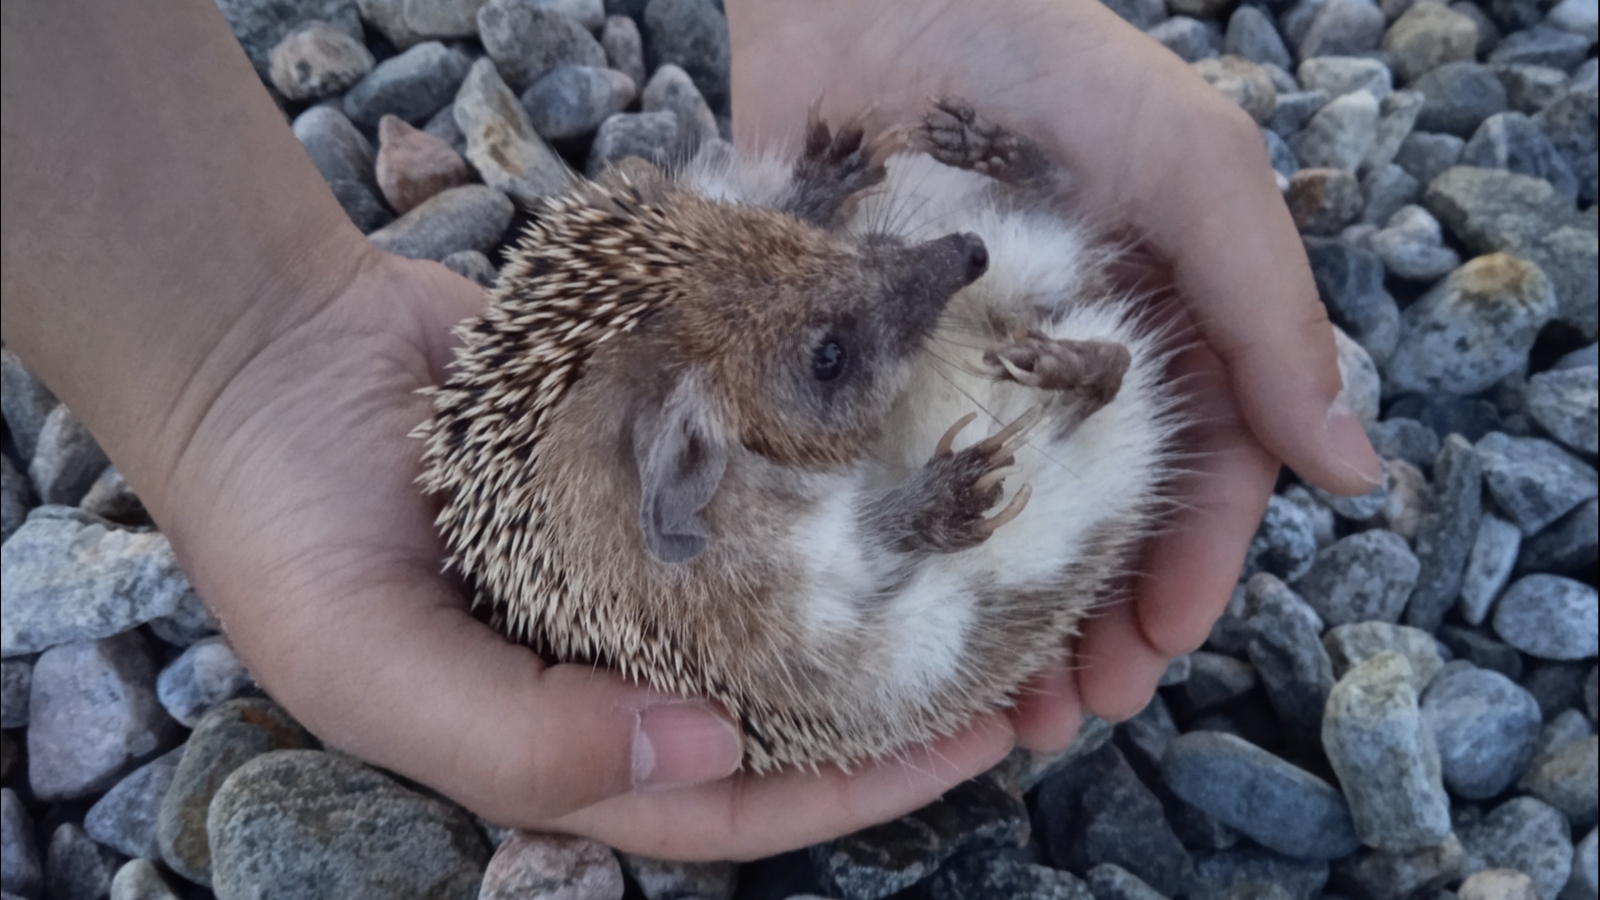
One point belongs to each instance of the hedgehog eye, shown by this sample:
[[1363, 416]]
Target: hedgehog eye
[[827, 361]]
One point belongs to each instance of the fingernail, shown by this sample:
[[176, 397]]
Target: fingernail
[[1347, 440], [681, 744]]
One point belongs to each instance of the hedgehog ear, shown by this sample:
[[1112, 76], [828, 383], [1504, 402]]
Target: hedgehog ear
[[681, 459]]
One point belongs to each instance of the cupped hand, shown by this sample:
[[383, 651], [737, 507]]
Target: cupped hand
[[1158, 156]]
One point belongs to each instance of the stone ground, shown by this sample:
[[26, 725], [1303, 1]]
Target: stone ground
[[1399, 703]]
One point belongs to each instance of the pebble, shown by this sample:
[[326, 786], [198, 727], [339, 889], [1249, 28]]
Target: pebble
[[1498, 884], [16, 682], [406, 24], [1411, 246], [1283, 160], [1291, 111], [1098, 811], [1343, 28], [665, 880], [1591, 695], [1284, 543], [25, 404], [501, 143], [1447, 532], [225, 739], [1566, 404], [78, 578], [1584, 883], [1108, 881], [1426, 155], [190, 622], [413, 165], [139, 879], [1340, 75], [1243, 82], [1146, 736], [1322, 518], [1533, 481], [975, 876], [1409, 495], [285, 807], [1474, 328], [1570, 121], [110, 497], [1398, 115], [1288, 655], [1377, 875], [1569, 726], [1550, 617], [1187, 37], [1569, 780], [550, 865], [526, 39], [1323, 200], [21, 872], [624, 47], [1427, 36], [1230, 634], [442, 125], [412, 85], [1512, 141], [93, 715], [472, 217], [1363, 577], [1387, 190], [344, 157], [1525, 834], [650, 136], [1404, 439], [1141, 14], [671, 90], [1485, 727], [1530, 88], [1481, 650], [472, 265], [692, 35], [1494, 555], [1252, 35], [1271, 801], [1488, 31], [317, 59], [1493, 209], [260, 24], [1340, 133], [1460, 96], [1542, 46], [571, 101], [1577, 359], [1216, 680], [1350, 645], [1221, 875], [1558, 686], [66, 460], [125, 818], [201, 677], [76, 868], [1383, 752], [17, 494]]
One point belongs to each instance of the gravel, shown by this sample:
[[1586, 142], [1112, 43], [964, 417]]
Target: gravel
[[1513, 141], [1350, 645], [1364, 577], [16, 682], [1185, 36], [139, 879], [671, 90], [1485, 727], [316, 59], [1489, 567], [1378, 875], [570, 101], [1525, 834], [21, 871], [529, 865], [66, 460], [1498, 884], [526, 39], [1097, 811], [125, 818], [1569, 780], [650, 136], [1427, 36], [1460, 96], [1550, 617], [1350, 282], [624, 47], [1252, 35], [662, 879], [1289, 658], [1341, 75], [501, 143], [25, 404], [692, 35], [1411, 245], [1533, 481], [1342, 27], [412, 85], [1566, 404], [204, 675], [472, 217], [413, 166]]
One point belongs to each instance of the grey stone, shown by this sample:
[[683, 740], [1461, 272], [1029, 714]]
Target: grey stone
[[1340, 133], [1550, 617], [1557, 685], [1387, 190], [190, 622], [1364, 577], [1495, 210], [692, 35], [1324, 200], [1406, 439], [1427, 36], [1533, 481], [1488, 31], [1377, 875], [526, 40], [624, 47], [1485, 727], [260, 24], [1109, 881], [1584, 883], [125, 818], [1296, 21], [1512, 141], [76, 868], [978, 875], [1426, 155], [442, 125], [472, 265], [1494, 555], [110, 497], [1498, 884], [406, 24], [528, 865], [1291, 111], [66, 460], [230, 735], [139, 879], [1036, 767], [570, 101], [65, 579], [1447, 532], [1569, 780], [1222, 874], [1280, 806], [1580, 358], [1575, 16], [413, 85], [93, 715], [1559, 732], [1187, 37], [1340, 75], [344, 157], [1322, 518], [1361, 508], [285, 806], [1530, 88], [17, 493], [1525, 834], [591, 14], [1383, 752], [1572, 124], [1564, 403], [650, 136], [1471, 645], [671, 90], [1398, 115], [1343, 28], [1283, 160], [1230, 635], [16, 681], [1141, 14], [25, 403], [501, 142], [1178, 670], [1542, 46], [1409, 495], [1147, 735], [1460, 96], [472, 217], [201, 677], [316, 59], [1252, 35], [1216, 679], [665, 880], [1350, 645], [1411, 246], [1287, 653], [1285, 542], [21, 871]]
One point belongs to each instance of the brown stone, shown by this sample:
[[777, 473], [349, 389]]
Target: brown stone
[[317, 59], [553, 866], [1323, 201], [414, 165]]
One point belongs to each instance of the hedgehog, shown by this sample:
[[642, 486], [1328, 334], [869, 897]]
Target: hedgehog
[[847, 442]]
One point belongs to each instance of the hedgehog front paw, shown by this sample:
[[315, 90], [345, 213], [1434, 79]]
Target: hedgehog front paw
[[953, 133], [1090, 372], [833, 168], [959, 487]]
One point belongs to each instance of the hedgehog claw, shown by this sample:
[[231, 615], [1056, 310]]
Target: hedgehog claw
[[1002, 440], [1013, 509], [949, 438], [994, 477]]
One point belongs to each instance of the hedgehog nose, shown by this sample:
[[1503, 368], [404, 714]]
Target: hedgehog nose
[[977, 257]]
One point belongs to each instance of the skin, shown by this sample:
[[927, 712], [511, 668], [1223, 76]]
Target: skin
[[176, 271]]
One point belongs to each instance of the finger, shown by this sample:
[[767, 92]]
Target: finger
[[1048, 713], [748, 817], [1119, 668]]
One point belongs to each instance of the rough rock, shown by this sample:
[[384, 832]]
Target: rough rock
[[1385, 757], [1377, 875], [1447, 532], [1285, 542], [286, 806], [501, 143], [1404, 439], [525, 40], [1566, 404], [1550, 617], [190, 622], [1098, 811], [125, 818], [1570, 546], [344, 157], [1283, 160], [1398, 116], [413, 85], [1427, 36], [624, 47], [1343, 28], [472, 265], [1584, 883], [472, 217], [1485, 727], [16, 682], [1542, 46], [1489, 567], [1460, 96], [1340, 133], [110, 497], [1225, 873], [1512, 141], [570, 101], [1525, 834], [1216, 679], [1350, 645], [413, 165], [1251, 34], [1361, 578], [226, 738], [1288, 656], [17, 493], [317, 59], [529, 865], [650, 136], [260, 24], [66, 460], [665, 880], [1108, 881], [1185, 36], [975, 875], [1530, 88], [1141, 14], [21, 872], [1290, 112], [1411, 246], [1340, 75], [1533, 481], [406, 24], [1573, 125], [1498, 884], [1409, 494], [671, 90], [1569, 780], [1387, 190], [76, 868], [1324, 200], [692, 35], [93, 715], [139, 879], [201, 677], [1426, 155], [25, 403]]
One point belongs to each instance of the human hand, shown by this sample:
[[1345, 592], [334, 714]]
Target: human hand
[[1155, 154]]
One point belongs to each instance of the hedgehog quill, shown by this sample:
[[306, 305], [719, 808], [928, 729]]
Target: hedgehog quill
[[849, 446]]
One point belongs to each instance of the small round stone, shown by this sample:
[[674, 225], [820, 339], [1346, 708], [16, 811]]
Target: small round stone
[[571, 101], [1251, 34], [649, 136], [316, 59], [472, 265], [1340, 133], [1460, 96], [76, 868], [1243, 82], [1533, 481], [1361, 578], [1525, 834], [125, 818], [1569, 780], [1411, 246], [1498, 884], [671, 90], [1324, 200], [201, 677], [1285, 542], [530, 864], [1494, 555], [471, 217], [1351, 645], [413, 165], [1343, 28], [1566, 404], [1186, 36], [525, 40], [692, 35], [412, 85], [1513, 141], [139, 879], [624, 47], [1550, 617], [1485, 727], [1427, 36]]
